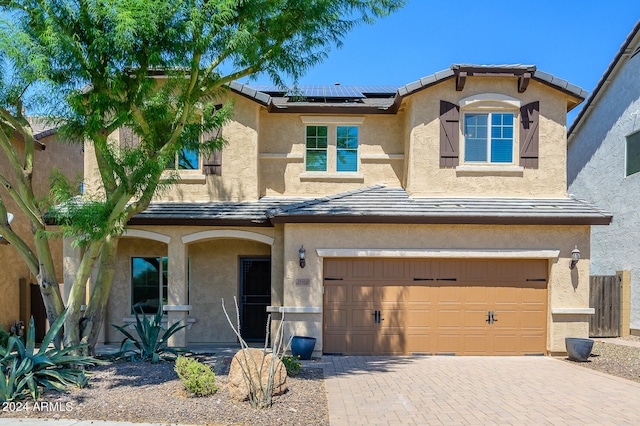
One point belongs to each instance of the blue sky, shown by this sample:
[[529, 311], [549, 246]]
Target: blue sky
[[573, 40]]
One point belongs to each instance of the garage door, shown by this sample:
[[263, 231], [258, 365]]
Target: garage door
[[458, 307]]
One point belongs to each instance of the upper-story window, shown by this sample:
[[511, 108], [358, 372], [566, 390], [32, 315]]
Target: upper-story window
[[317, 148], [186, 159], [488, 137], [488, 127], [633, 154], [347, 148], [332, 145]]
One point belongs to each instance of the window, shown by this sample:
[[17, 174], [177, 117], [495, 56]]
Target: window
[[317, 148], [488, 137], [332, 148], [633, 153], [187, 159], [148, 284], [347, 148]]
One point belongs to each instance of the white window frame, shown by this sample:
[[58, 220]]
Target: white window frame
[[332, 124], [489, 103]]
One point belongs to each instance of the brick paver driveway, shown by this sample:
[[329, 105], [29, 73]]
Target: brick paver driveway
[[475, 391]]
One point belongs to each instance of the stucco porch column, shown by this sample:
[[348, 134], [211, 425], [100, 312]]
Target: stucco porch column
[[178, 291]]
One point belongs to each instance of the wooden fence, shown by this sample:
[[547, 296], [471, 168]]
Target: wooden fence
[[604, 297]]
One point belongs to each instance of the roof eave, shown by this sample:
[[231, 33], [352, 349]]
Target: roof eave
[[632, 38], [447, 220], [187, 221]]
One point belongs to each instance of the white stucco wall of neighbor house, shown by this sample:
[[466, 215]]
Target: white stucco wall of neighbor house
[[596, 171]]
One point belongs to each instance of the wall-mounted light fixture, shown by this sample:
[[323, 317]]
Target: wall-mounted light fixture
[[575, 257], [302, 256], [9, 219]]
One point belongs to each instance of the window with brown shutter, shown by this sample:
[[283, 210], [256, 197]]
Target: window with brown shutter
[[529, 135], [449, 134]]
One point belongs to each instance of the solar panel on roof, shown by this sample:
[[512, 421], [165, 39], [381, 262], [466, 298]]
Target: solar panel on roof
[[328, 91], [391, 90]]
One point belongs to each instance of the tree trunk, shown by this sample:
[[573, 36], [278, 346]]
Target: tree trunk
[[77, 295], [48, 283], [100, 290]]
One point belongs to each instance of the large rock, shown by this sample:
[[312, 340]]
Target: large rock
[[248, 360]]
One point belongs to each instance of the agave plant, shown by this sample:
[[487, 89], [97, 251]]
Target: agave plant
[[4, 337], [150, 346], [25, 370], [15, 380]]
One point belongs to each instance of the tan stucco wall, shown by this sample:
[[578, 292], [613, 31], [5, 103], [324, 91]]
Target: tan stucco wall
[[239, 179], [566, 288], [266, 151], [284, 134], [68, 158], [213, 276], [426, 178]]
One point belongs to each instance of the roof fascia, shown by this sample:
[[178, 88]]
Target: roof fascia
[[522, 72], [447, 220], [624, 52]]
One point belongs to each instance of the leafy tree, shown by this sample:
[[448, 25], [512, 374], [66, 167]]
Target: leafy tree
[[18, 146], [160, 68]]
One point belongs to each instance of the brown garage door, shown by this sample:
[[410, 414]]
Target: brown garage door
[[462, 307]]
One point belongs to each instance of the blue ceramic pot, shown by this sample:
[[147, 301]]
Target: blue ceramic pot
[[302, 347]]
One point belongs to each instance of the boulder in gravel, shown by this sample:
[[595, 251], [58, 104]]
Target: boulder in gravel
[[256, 363]]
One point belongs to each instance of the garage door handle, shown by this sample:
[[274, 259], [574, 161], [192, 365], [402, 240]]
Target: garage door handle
[[491, 317]]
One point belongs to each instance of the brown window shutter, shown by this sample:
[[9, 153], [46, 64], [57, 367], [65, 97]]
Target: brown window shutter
[[128, 137], [449, 134], [212, 165], [529, 135]]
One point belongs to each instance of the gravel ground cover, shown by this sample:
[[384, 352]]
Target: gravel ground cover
[[142, 392], [618, 360]]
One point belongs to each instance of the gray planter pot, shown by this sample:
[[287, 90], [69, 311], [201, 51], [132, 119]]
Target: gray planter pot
[[578, 349]]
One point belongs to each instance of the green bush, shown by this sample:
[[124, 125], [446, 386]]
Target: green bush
[[197, 378], [292, 365]]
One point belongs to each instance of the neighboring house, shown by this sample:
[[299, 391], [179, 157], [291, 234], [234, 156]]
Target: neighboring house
[[432, 218], [603, 165], [16, 289]]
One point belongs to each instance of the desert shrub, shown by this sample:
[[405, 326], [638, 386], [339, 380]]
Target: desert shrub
[[197, 378], [291, 364]]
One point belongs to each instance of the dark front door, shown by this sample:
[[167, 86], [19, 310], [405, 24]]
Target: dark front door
[[38, 312], [255, 296]]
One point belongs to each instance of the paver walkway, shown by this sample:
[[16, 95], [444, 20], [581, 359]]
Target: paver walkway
[[446, 390]]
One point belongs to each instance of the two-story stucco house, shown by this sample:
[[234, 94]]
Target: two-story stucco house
[[603, 164], [429, 219]]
